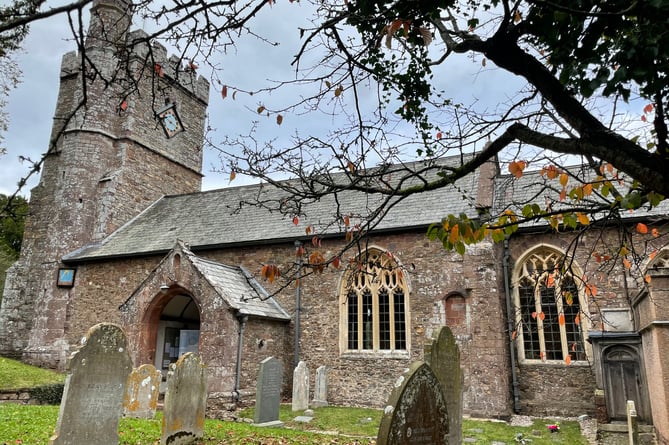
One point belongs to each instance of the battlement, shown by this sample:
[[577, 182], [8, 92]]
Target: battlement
[[174, 71]]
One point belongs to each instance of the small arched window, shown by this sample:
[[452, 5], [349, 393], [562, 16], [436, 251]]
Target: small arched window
[[548, 309], [374, 299]]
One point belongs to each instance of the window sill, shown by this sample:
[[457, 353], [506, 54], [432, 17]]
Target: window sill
[[561, 363], [376, 355]]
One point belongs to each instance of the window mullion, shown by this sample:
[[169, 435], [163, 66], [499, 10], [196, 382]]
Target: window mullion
[[540, 323], [563, 328]]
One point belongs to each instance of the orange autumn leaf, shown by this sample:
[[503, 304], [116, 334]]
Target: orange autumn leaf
[[563, 194], [534, 315], [655, 232], [233, 175], [627, 263], [561, 319], [653, 254], [224, 91], [454, 235], [642, 228], [542, 316], [583, 218], [573, 347], [296, 220], [587, 189], [336, 262], [550, 280], [577, 320], [516, 168], [351, 167], [567, 360], [564, 179], [648, 108], [514, 334], [647, 278]]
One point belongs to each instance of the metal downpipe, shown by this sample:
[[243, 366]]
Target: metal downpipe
[[240, 338], [510, 327]]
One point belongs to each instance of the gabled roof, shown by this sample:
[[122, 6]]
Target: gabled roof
[[239, 290], [215, 219]]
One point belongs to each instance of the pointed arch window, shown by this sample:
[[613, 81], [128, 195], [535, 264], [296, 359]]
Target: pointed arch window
[[375, 305], [549, 310]]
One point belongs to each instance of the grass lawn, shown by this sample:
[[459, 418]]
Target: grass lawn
[[34, 424], [16, 375]]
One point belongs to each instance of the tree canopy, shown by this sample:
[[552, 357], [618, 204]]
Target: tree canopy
[[594, 92]]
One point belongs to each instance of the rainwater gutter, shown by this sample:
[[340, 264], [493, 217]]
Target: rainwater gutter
[[242, 318], [510, 323]]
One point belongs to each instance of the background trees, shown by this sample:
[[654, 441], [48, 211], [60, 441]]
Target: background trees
[[593, 90]]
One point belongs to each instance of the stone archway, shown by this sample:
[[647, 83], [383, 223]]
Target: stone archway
[[170, 327]]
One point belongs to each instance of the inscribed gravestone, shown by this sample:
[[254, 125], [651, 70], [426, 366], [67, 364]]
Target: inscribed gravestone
[[268, 391], [141, 394], [443, 356], [301, 387], [321, 388], [93, 396], [185, 401], [416, 413]]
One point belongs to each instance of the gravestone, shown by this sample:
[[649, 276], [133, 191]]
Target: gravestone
[[321, 388], [141, 393], [301, 387], [443, 356], [185, 401], [92, 401], [416, 413], [268, 392]]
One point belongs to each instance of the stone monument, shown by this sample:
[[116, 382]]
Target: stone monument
[[268, 392], [301, 387], [141, 394], [92, 401], [185, 401]]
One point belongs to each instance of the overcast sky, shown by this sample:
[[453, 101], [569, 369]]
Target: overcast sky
[[32, 104]]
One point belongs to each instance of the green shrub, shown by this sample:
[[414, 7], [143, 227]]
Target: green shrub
[[48, 394]]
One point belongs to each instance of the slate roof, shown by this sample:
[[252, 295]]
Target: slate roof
[[513, 193], [239, 290], [214, 219]]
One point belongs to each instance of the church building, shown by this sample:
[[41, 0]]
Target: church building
[[120, 232]]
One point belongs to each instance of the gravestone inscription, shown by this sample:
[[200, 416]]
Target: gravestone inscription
[[92, 401], [443, 356], [141, 394], [268, 392], [301, 387], [185, 401], [416, 413]]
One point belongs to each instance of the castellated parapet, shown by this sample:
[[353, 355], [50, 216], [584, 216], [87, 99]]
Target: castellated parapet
[[109, 158]]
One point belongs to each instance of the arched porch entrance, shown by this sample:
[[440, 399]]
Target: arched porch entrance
[[171, 327]]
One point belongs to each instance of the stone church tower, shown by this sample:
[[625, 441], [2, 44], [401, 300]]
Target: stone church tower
[[128, 128]]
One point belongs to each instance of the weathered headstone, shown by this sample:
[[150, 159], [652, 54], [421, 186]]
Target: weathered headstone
[[443, 356], [268, 392], [416, 412], [321, 388], [92, 401], [301, 387], [141, 393], [185, 401]]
